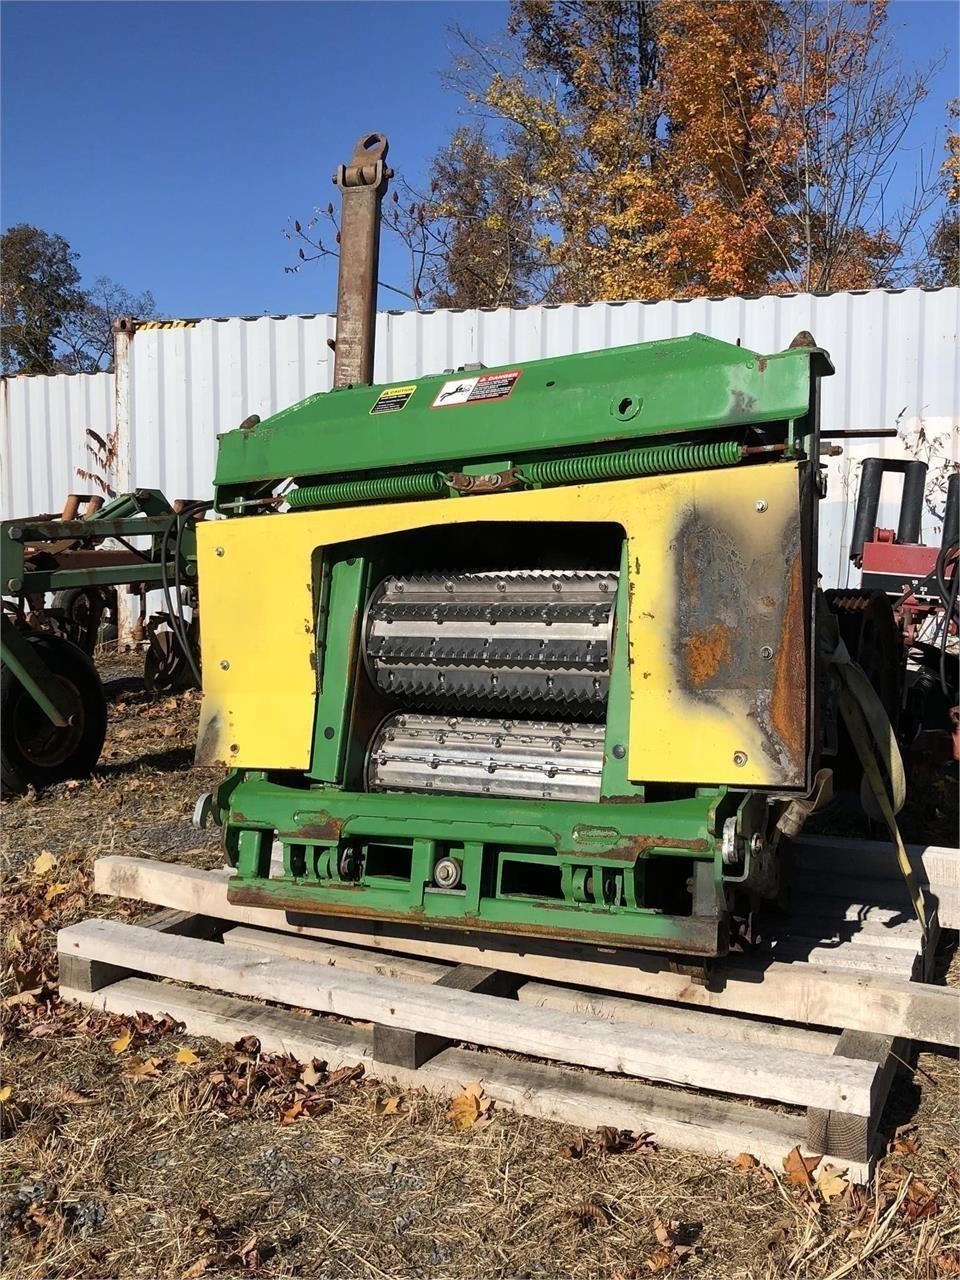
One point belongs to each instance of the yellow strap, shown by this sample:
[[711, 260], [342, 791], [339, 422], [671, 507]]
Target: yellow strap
[[872, 735]]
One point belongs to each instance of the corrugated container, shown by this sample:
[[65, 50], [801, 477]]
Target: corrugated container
[[181, 383], [43, 440]]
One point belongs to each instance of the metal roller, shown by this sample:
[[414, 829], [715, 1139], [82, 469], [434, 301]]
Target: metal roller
[[482, 641], [534, 759]]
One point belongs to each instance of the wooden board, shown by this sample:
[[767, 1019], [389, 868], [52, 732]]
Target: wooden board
[[689, 1059], [688, 1121], [612, 1008], [792, 992]]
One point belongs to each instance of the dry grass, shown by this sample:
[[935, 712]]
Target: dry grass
[[192, 1172]]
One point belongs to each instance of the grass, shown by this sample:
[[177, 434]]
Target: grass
[[207, 1167]]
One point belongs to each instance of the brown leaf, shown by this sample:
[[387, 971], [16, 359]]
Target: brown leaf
[[122, 1043], [140, 1069], [343, 1074], [799, 1167], [575, 1150], [391, 1107], [666, 1232], [72, 1096], [310, 1075], [948, 1262], [745, 1162], [467, 1108], [200, 1268], [831, 1183], [661, 1260]]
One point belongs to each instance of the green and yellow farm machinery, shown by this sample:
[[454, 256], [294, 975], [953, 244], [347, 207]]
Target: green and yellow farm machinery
[[544, 653]]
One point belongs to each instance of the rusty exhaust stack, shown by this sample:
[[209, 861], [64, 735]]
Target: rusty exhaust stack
[[362, 184]]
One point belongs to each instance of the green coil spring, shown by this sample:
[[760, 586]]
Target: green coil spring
[[424, 484], [656, 460]]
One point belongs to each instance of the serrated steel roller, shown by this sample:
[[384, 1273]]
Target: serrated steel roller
[[528, 639], [533, 759]]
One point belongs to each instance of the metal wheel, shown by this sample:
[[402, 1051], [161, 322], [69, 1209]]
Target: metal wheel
[[35, 752]]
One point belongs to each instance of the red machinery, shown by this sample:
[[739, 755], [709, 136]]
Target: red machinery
[[921, 584]]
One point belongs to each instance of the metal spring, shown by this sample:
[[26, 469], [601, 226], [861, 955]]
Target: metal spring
[[424, 484], [656, 460]]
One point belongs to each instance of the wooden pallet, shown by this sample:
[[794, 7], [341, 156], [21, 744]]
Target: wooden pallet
[[815, 1025]]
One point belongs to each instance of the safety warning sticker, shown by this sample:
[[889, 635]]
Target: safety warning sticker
[[486, 386], [393, 398]]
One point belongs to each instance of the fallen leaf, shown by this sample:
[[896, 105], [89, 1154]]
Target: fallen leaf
[[343, 1074], [140, 1069], [391, 1107], [43, 863], [6, 1093], [54, 891], [310, 1076], [79, 1099], [469, 1107], [666, 1232], [660, 1260], [947, 1262], [22, 997], [903, 1146], [831, 1183], [122, 1042], [799, 1167], [745, 1162], [186, 1058], [202, 1265]]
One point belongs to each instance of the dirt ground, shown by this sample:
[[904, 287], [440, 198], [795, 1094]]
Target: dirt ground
[[131, 1149]]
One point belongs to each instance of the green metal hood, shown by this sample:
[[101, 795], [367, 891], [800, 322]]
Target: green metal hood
[[593, 398]]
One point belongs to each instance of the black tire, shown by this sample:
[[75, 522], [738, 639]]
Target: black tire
[[83, 609], [33, 752]]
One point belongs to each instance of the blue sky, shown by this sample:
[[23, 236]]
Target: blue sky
[[170, 143]]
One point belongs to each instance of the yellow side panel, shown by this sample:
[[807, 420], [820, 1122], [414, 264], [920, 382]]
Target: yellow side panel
[[257, 617], [717, 632]]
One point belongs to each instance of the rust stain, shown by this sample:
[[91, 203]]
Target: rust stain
[[706, 652], [788, 704], [634, 847], [693, 937], [325, 828], [769, 601]]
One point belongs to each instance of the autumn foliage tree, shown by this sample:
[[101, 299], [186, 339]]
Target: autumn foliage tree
[[674, 148]]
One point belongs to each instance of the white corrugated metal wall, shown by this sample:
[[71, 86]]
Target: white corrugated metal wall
[[896, 354], [43, 425]]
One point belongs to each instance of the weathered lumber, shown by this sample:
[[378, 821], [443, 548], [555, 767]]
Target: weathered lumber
[[402, 1047], [848, 1136], [650, 1053], [90, 975], [336, 954], [688, 1121], [650, 1013], [936, 867], [789, 992]]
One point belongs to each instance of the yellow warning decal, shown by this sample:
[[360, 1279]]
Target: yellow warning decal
[[392, 399]]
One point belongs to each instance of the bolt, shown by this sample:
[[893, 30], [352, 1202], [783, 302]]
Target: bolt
[[224, 665], [234, 747], [619, 751], [14, 584], [760, 505], [756, 843], [739, 759], [15, 533], [218, 551], [766, 652]]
